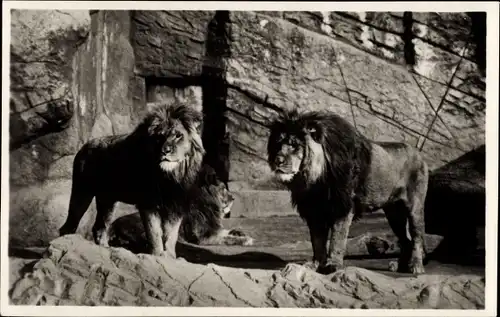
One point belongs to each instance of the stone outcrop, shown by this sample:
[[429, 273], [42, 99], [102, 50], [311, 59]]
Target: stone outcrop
[[456, 204], [43, 44], [78, 272]]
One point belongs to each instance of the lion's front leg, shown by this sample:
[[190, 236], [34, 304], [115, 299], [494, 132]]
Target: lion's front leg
[[318, 231], [153, 227], [338, 244], [171, 226]]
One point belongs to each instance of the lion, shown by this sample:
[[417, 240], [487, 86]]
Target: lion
[[211, 202], [335, 175], [153, 168]]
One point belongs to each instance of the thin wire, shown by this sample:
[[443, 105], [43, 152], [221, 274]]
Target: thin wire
[[448, 87], [346, 88]]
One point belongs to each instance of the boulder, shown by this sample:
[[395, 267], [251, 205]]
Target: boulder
[[75, 271]]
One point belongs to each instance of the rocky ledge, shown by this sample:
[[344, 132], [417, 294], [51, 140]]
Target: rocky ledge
[[75, 271]]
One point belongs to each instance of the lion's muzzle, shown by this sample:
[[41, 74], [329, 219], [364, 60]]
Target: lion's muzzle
[[283, 169], [283, 176], [167, 165]]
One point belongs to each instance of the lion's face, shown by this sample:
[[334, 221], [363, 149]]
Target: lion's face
[[223, 198], [175, 146], [286, 153], [173, 133], [295, 146]]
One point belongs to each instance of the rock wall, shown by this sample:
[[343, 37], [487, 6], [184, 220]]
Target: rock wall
[[354, 64], [75, 71], [79, 74]]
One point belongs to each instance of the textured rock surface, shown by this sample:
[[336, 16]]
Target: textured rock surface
[[170, 43], [78, 272], [42, 46]]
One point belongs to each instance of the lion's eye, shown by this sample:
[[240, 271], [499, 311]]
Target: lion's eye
[[178, 135]]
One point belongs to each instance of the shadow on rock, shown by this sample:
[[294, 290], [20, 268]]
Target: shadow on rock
[[201, 255], [455, 208]]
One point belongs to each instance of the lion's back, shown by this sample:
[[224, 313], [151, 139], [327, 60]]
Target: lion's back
[[392, 165], [100, 153], [108, 166]]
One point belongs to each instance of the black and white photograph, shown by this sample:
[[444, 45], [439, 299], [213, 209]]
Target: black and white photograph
[[249, 158]]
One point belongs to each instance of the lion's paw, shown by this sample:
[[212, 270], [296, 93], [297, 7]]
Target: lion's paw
[[101, 238], [236, 232], [393, 266], [312, 265], [168, 254], [329, 268], [416, 267]]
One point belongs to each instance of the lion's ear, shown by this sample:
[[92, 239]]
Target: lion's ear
[[152, 123], [198, 126]]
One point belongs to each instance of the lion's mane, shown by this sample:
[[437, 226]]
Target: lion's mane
[[336, 161]]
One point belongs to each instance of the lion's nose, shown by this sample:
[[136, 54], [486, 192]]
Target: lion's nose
[[280, 160], [167, 149]]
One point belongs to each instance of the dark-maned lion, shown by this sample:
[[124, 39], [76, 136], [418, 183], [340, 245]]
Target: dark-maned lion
[[334, 174], [202, 225], [154, 168]]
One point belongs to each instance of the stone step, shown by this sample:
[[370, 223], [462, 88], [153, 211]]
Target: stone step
[[250, 203], [262, 203]]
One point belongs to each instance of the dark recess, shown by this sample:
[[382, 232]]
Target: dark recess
[[478, 29], [214, 87], [455, 206], [409, 47]]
